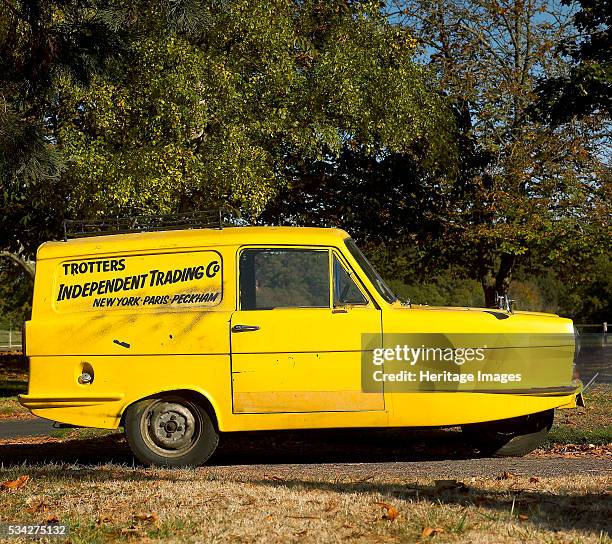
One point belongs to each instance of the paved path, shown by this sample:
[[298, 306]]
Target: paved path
[[16, 428], [446, 469]]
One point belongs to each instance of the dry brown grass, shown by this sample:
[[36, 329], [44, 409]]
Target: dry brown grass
[[240, 504]]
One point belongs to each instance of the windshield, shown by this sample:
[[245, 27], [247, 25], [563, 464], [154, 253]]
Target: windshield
[[370, 272]]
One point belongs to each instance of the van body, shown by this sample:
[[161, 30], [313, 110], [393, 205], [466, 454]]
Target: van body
[[243, 329]]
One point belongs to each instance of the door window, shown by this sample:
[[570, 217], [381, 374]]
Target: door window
[[345, 289], [284, 278]]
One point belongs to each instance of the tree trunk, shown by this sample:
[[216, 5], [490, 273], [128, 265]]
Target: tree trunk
[[495, 283], [25, 265]]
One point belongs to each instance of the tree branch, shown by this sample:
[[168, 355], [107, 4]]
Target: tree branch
[[25, 265]]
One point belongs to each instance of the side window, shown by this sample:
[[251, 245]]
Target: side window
[[345, 289], [284, 278]]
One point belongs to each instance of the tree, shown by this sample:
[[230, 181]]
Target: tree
[[153, 107], [235, 106], [38, 41], [586, 88], [378, 198], [527, 187]]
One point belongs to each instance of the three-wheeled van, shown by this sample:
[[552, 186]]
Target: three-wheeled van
[[181, 335]]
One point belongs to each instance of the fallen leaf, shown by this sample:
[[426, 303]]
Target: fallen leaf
[[104, 519], [479, 501], [431, 531], [52, 519], [534, 480], [332, 505], [146, 517], [41, 506], [523, 517], [449, 485], [14, 485], [132, 531], [391, 513], [505, 475]]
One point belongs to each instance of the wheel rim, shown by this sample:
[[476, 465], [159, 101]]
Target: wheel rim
[[171, 428]]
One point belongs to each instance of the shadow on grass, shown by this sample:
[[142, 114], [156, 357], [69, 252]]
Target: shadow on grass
[[12, 388], [263, 447], [588, 512]]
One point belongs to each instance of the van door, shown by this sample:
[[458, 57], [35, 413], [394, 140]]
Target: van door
[[292, 349]]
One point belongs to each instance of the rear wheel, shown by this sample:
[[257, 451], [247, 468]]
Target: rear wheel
[[513, 437], [170, 431]]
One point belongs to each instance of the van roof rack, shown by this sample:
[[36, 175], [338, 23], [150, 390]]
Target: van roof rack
[[210, 219]]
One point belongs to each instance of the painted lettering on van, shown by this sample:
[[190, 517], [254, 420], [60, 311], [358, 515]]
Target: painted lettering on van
[[102, 287], [183, 298], [174, 276], [89, 267], [172, 279]]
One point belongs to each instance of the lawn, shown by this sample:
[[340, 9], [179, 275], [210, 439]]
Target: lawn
[[111, 503], [589, 425]]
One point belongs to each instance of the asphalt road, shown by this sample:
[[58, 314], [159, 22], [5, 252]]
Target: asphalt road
[[16, 428], [443, 469]]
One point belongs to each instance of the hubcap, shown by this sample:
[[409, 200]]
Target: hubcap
[[172, 428]]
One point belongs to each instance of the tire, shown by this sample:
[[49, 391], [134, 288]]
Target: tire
[[170, 431], [513, 437]]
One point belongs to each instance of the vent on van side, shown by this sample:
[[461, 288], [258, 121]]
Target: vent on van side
[[211, 219]]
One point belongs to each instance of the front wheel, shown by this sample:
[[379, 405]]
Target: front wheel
[[513, 437], [170, 431]]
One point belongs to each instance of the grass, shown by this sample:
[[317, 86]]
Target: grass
[[80, 433], [589, 425], [111, 503], [11, 409]]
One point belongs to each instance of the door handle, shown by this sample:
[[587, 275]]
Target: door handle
[[245, 328]]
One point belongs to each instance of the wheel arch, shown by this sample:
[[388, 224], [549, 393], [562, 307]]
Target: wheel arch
[[188, 393]]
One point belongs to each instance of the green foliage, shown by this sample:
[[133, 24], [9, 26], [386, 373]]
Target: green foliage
[[156, 107], [316, 112], [586, 88], [232, 112], [441, 290], [524, 184], [15, 295], [387, 198], [39, 40], [585, 298]]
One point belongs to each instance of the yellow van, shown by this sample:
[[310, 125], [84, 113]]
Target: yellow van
[[181, 335]]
